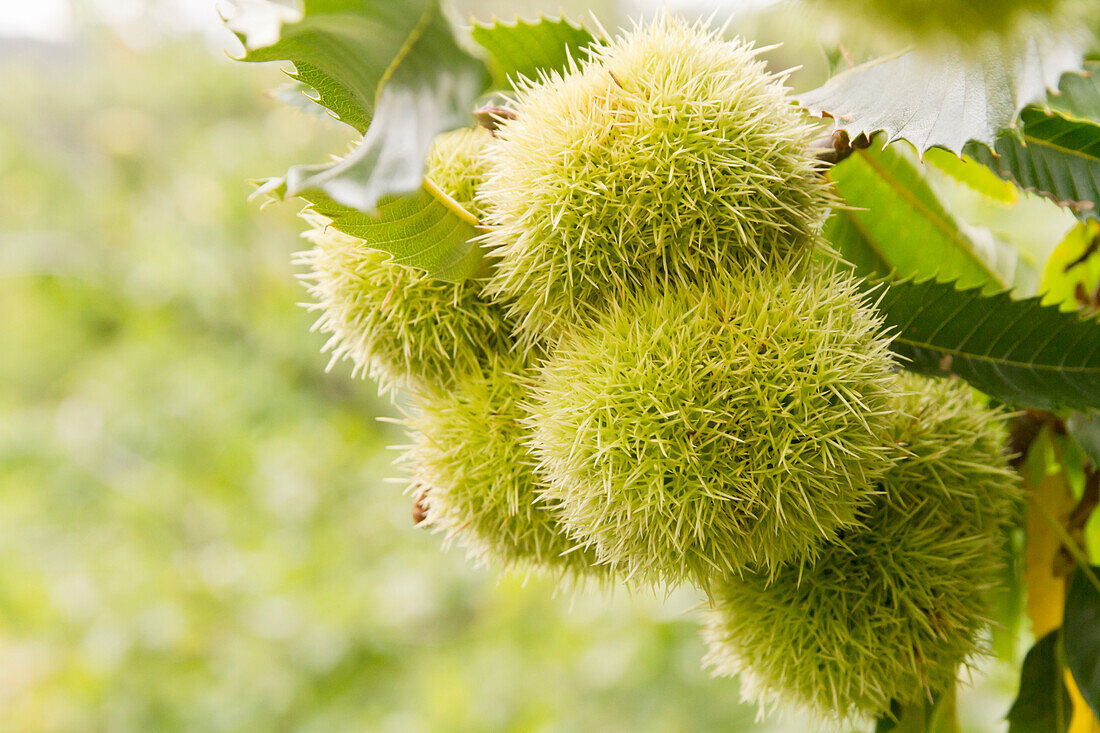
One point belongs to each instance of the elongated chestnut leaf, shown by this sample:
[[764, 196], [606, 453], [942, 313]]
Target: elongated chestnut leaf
[[340, 48], [429, 89], [1019, 351], [393, 70], [1079, 94], [945, 98], [525, 48], [425, 229], [1043, 703], [1053, 155], [1081, 634], [973, 174], [892, 222]]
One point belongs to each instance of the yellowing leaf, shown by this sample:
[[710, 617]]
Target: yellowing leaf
[[1051, 500], [1083, 720], [969, 172], [1061, 285], [1050, 503]]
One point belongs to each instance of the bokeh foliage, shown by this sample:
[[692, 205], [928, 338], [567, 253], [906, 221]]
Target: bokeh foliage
[[195, 530]]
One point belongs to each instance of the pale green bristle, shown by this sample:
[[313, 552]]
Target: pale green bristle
[[893, 608], [395, 323], [470, 454], [457, 165], [668, 151], [697, 432]]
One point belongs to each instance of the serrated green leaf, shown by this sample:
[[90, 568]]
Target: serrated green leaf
[[895, 223], [972, 174], [1018, 351], [391, 68], [429, 89], [426, 229], [856, 245], [301, 97], [947, 98], [342, 49], [1056, 156], [524, 48], [1058, 152], [257, 23], [1081, 635], [1043, 703], [1079, 94]]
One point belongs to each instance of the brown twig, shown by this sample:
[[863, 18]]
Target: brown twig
[[1094, 245], [1025, 428], [420, 510], [837, 146], [491, 115], [1078, 518], [1086, 301], [1090, 498], [1081, 294]]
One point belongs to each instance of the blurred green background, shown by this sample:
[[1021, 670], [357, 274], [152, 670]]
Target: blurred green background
[[196, 528]]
